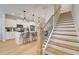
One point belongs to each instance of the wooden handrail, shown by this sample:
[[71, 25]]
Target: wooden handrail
[[47, 22], [56, 11], [52, 16], [45, 45]]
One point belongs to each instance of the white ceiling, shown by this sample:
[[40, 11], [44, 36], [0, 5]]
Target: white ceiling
[[17, 9]]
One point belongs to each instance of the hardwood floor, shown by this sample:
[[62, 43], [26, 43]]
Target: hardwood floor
[[10, 48]]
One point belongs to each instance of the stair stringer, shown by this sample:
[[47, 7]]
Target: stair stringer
[[46, 44], [76, 28]]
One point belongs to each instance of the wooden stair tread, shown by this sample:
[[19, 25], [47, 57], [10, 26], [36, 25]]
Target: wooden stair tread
[[65, 42], [65, 21], [64, 37], [65, 33], [70, 40], [65, 29], [65, 26], [73, 40], [62, 49], [56, 51], [65, 46]]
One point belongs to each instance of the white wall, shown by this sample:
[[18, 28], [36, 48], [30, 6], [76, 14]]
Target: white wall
[[43, 10], [45, 13], [66, 8], [75, 14], [2, 26], [14, 22]]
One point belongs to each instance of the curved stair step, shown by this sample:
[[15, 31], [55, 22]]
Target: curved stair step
[[56, 51], [70, 20], [65, 33], [66, 26], [65, 29], [69, 40], [62, 50], [65, 37], [65, 42], [64, 45], [65, 21]]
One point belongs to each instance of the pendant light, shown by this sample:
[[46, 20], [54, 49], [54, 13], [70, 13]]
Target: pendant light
[[24, 15]]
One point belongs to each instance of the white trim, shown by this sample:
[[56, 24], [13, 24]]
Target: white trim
[[76, 27], [45, 46]]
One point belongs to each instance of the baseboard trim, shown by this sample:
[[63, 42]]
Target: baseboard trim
[[4, 40], [10, 39]]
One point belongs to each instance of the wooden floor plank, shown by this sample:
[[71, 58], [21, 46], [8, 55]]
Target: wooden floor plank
[[10, 48]]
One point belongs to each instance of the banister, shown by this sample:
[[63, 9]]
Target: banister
[[57, 11], [47, 22], [45, 45]]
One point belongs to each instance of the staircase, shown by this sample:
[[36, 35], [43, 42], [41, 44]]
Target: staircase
[[64, 39]]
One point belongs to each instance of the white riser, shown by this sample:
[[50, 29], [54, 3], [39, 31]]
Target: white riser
[[65, 37], [67, 20], [65, 23], [65, 29], [66, 26], [64, 49], [64, 32], [65, 42]]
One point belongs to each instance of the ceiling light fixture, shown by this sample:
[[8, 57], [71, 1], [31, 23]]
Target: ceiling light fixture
[[33, 15], [24, 15], [25, 19]]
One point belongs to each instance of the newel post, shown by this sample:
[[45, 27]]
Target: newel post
[[40, 40]]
